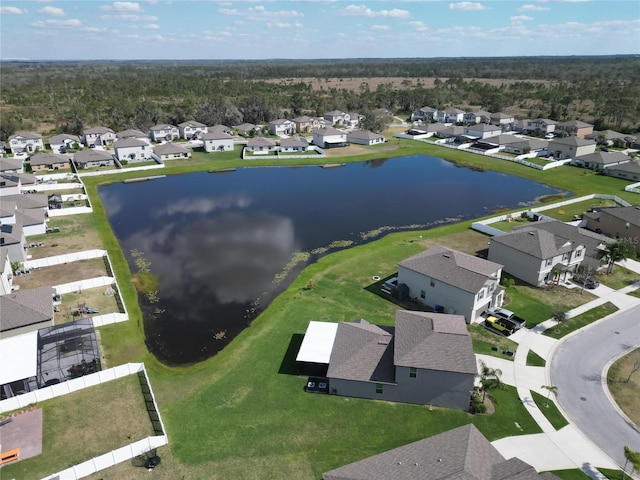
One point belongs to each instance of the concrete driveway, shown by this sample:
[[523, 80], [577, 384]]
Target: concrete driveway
[[577, 366]]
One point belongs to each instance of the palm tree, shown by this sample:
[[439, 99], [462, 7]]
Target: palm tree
[[550, 389], [489, 377], [616, 252], [631, 457]]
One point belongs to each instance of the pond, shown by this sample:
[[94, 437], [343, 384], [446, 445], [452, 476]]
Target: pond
[[219, 243]]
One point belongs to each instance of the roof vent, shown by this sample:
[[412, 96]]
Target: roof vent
[[533, 234], [446, 255]]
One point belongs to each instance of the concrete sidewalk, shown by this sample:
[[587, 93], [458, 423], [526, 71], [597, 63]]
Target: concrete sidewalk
[[566, 448]]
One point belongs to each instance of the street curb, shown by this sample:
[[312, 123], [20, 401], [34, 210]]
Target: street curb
[[605, 386]]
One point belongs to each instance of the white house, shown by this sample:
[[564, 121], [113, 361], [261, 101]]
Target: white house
[[338, 117], [482, 130], [191, 130], [450, 115], [10, 184], [11, 165], [535, 146], [33, 221], [6, 273], [92, 158], [171, 151], [540, 126], [25, 142], [163, 133], [365, 137], [261, 146], [13, 239], [329, 137], [452, 282], [131, 133], [246, 128], [500, 119], [132, 150], [569, 147], [353, 119], [424, 114], [99, 137], [220, 128], [282, 126], [60, 143], [217, 141], [479, 116], [600, 160], [294, 144]]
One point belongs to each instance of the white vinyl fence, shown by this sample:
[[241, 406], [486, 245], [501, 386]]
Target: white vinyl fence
[[66, 258]]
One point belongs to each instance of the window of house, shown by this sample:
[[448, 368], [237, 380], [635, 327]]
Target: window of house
[[565, 257], [432, 283], [413, 372], [379, 388], [480, 294], [423, 294], [578, 253], [547, 262]]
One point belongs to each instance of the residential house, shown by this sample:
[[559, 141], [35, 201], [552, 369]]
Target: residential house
[[329, 137], [353, 119], [574, 128], [171, 151], [217, 141], [220, 128], [99, 137], [570, 147], [426, 130], [261, 146], [546, 251], [192, 130], [452, 281], [10, 184], [164, 133], [528, 145], [481, 130], [626, 171], [13, 239], [501, 119], [6, 272], [49, 161], [3, 147], [132, 133], [305, 124], [337, 118], [60, 143], [11, 165], [7, 212], [294, 144], [246, 129], [450, 115], [33, 200], [365, 137], [33, 221], [600, 160], [92, 158], [453, 133], [621, 223], [540, 126], [411, 363], [132, 150], [282, 126], [25, 142], [424, 115], [479, 116], [25, 311], [610, 138], [461, 453]]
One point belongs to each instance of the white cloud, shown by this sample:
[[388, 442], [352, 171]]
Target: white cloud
[[123, 7], [364, 11], [532, 8], [467, 6], [152, 26], [93, 29], [420, 26], [130, 17], [284, 25], [380, 28], [55, 11], [520, 18], [72, 22], [260, 12], [11, 11], [228, 11]]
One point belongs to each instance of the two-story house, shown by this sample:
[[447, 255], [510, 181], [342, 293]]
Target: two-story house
[[305, 123], [25, 142], [60, 143], [132, 150], [131, 133], [217, 141], [478, 116], [163, 133], [282, 126], [481, 130], [424, 114], [99, 137], [192, 130], [570, 147], [337, 117], [574, 128], [501, 119], [621, 223], [452, 282], [329, 137], [539, 126], [450, 115]]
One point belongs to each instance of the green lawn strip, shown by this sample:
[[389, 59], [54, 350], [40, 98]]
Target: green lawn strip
[[549, 410], [635, 293], [85, 424], [536, 304], [485, 341], [507, 226], [535, 360], [573, 474], [619, 278], [624, 384], [581, 320], [566, 213], [613, 474]]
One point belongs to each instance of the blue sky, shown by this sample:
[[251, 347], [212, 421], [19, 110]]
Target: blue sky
[[205, 29]]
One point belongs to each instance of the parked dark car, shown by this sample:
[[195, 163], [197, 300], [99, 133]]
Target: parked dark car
[[586, 282]]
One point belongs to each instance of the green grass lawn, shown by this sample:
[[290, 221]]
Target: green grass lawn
[[581, 320], [619, 278], [624, 384], [485, 341], [615, 474], [574, 474], [567, 212], [635, 293], [535, 360], [549, 410]]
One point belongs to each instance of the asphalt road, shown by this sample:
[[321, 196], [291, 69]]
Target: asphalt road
[[576, 369]]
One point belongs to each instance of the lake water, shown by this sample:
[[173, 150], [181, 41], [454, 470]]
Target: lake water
[[217, 241]]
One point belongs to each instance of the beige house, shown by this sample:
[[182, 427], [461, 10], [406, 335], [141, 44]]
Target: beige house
[[451, 281], [570, 147], [48, 161], [622, 223], [282, 126], [171, 151], [92, 158], [626, 171], [574, 128]]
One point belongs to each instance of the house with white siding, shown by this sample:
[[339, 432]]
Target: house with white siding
[[132, 150], [220, 128], [192, 130], [217, 141], [478, 116], [293, 144], [452, 282], [365, 137], [11, 165], [450, 115], [132, 133], [337, 117], [25, 142], [424, 114], [99, 137], [92, 158], [6, 272], [60, 143], [539, 126], [171, 151], [329, 137], [501, 119], [600, 160], [481, 130], [570, 147], [163, 133], [13, 239], [282, 126], [261, 146]]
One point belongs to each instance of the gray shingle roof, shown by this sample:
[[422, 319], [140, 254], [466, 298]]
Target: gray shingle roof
[[458, 269], [191, 123], [33, 200], [364, 135], [328, 131], [483, 127], [62, 137], [294, 142], [90, 155], [130, 142], [220, 128], [25, 135], [627, 214], [26, 307], [32, 216], [629, 167], [47, 159], [217, 135], [169, 148], [162, 126], [245, 127], [280, 121], [433, 341], [131, 133], [10, 163], [97, 131], [10, 234], [604, 158], [572, 141], [574, 123], [459, 454], [260, 142]]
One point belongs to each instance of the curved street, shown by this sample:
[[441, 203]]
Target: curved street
[[576, 369]]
